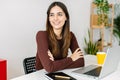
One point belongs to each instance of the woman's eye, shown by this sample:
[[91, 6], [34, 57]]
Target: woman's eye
[[51, 15], [60, 14]]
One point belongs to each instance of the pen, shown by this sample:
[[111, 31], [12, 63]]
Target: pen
[[64, 77]]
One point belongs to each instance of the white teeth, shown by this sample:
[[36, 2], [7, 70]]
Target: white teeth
[[57, 23]]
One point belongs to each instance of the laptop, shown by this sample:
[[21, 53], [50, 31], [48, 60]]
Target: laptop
[[110, 65]]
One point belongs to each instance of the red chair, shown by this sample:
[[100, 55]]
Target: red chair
[[3, 69]]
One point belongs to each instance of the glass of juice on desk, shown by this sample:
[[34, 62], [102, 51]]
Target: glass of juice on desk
[[101, 57]]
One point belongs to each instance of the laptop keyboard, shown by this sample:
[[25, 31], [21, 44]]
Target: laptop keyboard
[[94, 72]]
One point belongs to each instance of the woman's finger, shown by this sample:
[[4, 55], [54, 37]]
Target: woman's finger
[[78, 49]]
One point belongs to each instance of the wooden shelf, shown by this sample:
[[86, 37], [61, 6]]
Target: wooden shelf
[[94, 25]]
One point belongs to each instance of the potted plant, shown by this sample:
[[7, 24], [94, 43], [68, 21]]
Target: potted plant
[[91, 48], [116, 28], [102, 11]]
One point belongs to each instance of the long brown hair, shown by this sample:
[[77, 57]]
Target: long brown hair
[[66, 35]]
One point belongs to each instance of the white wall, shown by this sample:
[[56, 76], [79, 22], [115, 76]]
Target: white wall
[[21, 19]]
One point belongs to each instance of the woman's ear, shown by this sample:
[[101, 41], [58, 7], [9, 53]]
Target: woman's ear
[[66, 20]]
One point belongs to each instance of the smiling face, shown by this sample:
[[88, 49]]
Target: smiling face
[[57, 18]]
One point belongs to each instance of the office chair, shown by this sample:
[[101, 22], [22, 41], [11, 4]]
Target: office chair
[[29, 65]]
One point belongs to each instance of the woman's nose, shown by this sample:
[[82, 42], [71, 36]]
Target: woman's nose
[[55, 17]]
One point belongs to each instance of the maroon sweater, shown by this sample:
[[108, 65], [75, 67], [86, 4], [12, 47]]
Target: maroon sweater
[[42, 58]]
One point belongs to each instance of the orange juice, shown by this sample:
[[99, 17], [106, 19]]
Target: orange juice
[[101, 57]]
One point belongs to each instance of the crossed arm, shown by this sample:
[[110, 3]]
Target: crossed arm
[[74, 56]]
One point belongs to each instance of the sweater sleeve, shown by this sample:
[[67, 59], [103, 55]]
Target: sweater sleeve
[[42, 48], [74, 45]]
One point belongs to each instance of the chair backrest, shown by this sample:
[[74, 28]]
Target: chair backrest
[[29, 65]]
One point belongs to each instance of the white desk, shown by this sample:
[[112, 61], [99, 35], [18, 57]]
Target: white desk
[[40, 75]]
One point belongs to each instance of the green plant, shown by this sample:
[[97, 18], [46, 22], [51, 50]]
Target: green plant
[[116, 29], [102, 11], [91, 48]]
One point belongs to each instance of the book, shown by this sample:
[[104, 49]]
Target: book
[[59, 76]]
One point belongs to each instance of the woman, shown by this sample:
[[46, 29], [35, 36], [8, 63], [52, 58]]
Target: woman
[[53, 44]]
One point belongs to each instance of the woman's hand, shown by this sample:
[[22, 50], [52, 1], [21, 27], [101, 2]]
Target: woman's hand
[[50, 55], [77, 54]]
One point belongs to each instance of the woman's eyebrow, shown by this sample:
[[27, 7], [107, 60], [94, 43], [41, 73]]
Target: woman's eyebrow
[[57, 12], [51, 13], [60, 12]]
